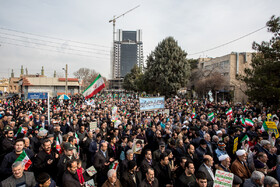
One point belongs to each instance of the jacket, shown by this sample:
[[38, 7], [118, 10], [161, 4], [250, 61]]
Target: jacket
[[163, 174], [208, 175], [69, 179], [108, 184], [29, 180], [240, 170], [127, 180]]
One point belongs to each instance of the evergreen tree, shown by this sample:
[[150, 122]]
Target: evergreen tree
[[133, 80], [167, 68], [263, 79]]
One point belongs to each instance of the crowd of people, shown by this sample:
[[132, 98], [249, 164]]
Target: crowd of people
[[108, 141]]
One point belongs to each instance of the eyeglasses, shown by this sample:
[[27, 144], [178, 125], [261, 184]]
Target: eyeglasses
[[10, 133]]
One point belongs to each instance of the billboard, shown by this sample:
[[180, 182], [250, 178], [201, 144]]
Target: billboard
[[151, 103], [37, 95]]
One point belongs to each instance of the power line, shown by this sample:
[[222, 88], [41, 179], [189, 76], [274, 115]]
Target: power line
[[49, 45], [53, 42], [54, 38], [228, 42], [18, 45]]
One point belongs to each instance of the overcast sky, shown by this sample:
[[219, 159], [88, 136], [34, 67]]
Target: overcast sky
[[36, 33]]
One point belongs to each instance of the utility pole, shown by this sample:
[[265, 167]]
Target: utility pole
[[66, 79]]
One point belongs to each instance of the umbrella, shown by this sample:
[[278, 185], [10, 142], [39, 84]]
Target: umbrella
[[64, 97]]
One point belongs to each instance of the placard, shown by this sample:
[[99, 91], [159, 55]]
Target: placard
[[235, 144], [271, 125], [137, 146], [223, 179], [92, 125], [91, 171], [90, 183]]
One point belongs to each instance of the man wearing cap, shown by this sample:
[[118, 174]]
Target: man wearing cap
[[201, 150], [67, 155], [221, 150], [156, 153], [239, 167], [129, 178]]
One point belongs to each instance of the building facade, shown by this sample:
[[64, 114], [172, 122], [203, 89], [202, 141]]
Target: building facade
[[230, 67], [54, 86], [128, 51]]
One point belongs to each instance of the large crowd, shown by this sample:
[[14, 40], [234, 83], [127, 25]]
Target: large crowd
[[108, 141]]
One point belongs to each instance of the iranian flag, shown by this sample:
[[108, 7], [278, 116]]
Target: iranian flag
[[186, 103], [20, 130], [194, 102], [77, 138], [244, 109], [25, 159], [245, 138], [249, 122], [114, 165], [96, 86], [211, 117], [57, 146], [229, 112], [264, 127], [242, 121]]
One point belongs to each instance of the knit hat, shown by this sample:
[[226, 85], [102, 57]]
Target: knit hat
[[131, 164], [221, 145]]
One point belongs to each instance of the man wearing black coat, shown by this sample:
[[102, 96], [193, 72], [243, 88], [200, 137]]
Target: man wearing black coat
[[163, 171], [101, 162], [70, 177], [46, 160], [129, 178]]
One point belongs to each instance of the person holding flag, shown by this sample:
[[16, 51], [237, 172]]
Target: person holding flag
[[10, 158]]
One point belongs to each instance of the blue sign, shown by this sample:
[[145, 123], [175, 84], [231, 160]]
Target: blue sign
[[37, 95], [151, 103]]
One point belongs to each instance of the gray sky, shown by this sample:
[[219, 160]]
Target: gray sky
[[197, 25]]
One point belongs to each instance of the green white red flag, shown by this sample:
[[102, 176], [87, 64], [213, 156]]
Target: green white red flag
[[114, 165], [25, 159], [96, 86], [229, 112], [20, 130], [57, 146], [249, 122]]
